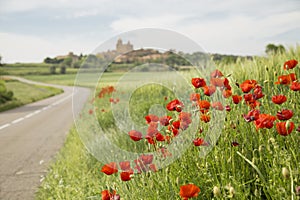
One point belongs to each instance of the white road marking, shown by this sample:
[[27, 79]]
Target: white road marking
[[35, 112], [4, 126], [17, 120]]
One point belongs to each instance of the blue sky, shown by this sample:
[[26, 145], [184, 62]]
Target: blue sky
[[34, 29]]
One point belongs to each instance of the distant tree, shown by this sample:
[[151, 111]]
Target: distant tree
[[0, 60], [52, 69], [274, 49], [68, 61], [63, 69], [5, 95]]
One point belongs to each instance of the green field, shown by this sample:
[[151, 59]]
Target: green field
[[254, 169], [27, 93]]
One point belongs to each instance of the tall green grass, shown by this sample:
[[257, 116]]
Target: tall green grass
[[253, 168]]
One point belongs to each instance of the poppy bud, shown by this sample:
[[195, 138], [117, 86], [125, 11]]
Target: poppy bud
[[285, 172], [216, 191]]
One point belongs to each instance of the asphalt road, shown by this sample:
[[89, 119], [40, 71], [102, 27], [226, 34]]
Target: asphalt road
[[30, 137]]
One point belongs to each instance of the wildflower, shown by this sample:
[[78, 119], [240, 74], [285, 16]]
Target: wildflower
[[198, 82], [218, 82], [227, 93], [165, 120], [199, 142], [217, 105], [227, 108], [257, 92], [285, 114], [205, 118], [106, 195], [216, 74], [91, 111], [189, 191], [110, 168], [195, 97], [151, 118], [285, 128], [126, 176], [209, 90], [279, 99], [159, 137], [295, 86], [234, 144], [265, 121], [176, 124], [135, 135], [175, 105], [248, 85], [203, 105], [146, 159], [124, 165], [290, 64], [236, 99], [251, 115], [286, 79]]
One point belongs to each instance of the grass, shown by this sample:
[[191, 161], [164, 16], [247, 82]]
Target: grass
[[27, 93], [253, 168]]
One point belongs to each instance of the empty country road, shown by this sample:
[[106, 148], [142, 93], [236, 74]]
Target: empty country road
[[30, 137]]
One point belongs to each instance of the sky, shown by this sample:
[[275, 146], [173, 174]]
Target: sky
[[32, 30]]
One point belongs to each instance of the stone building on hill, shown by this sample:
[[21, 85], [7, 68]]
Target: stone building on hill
[[123, 48]]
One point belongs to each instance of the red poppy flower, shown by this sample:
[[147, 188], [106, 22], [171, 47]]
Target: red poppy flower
[[176, 124], [110, 168], [126, 176], [290, 64], [199, 142], [124, 165], [209, 90], [205, 118], [152, 167], [295, 86], [218, 82], [151, 118], [285, 128], [285, 114], [164, 152], [135, 135], [217, 105], [185, 117], [106, 195], [265, 121], [152, 129], [195, 97], [236, 99], [227, 108], [279, 99], [286, 79], [234, 144], [251, 115], [175, 131], [227, 93], [198, 82], [257, 92], [248, 97], [204, 105], [165, 120], [174, 105], [146, 159], [159, 137], [150, 139], [248, 85], [189, 191], [216, 74], [226, 84], [91, 111], [252, 103]]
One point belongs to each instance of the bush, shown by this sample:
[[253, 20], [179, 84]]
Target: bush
[[4, 94]]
